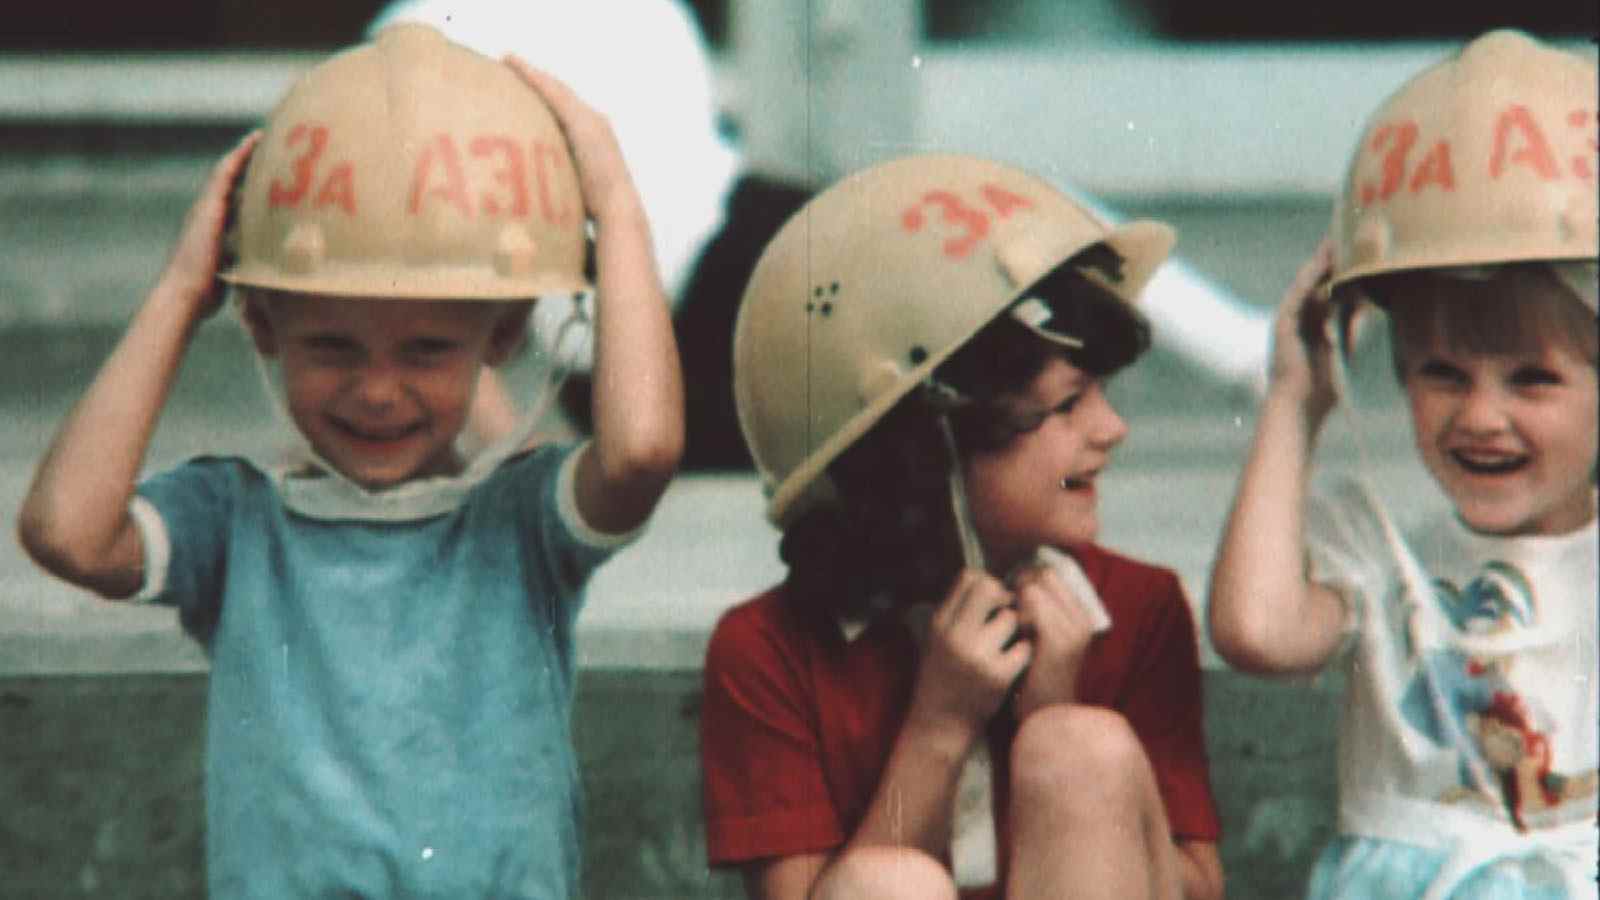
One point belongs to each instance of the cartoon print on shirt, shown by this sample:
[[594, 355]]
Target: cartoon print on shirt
[[1461, 697], [1520, 757]]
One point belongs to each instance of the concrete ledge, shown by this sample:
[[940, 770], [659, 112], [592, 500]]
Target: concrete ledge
[[102, 777]]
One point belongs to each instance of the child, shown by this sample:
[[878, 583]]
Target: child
[[954, 686], [1468, 747], [390, 630]]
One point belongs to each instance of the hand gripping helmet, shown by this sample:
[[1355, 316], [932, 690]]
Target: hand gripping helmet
[[878, 280], [1487, 157], [411, 167]]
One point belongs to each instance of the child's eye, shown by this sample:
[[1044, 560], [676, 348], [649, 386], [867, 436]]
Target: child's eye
[[429, 351], [1023, 424], [329, 346], [430, 346], [1068, 405], [1435, 370], [1535, 376]]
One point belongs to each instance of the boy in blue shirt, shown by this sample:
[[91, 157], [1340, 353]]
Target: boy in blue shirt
[[390, 625]]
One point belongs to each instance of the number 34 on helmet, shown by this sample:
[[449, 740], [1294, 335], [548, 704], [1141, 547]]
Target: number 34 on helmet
[[878, 280]]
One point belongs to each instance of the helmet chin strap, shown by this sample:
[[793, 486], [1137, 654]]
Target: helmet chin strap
[[945, 400], [566, 356], [1418, 601], [971, 549]]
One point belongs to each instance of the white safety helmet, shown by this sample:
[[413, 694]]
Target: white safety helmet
[[877, 281], [1487, 157], [411, 167]]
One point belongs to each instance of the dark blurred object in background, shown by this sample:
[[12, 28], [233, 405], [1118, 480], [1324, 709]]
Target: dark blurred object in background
[[1252, 20], [89, 25], [168, 25], [326, 24], [1219, 21]]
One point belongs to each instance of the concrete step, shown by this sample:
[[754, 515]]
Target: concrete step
[[103, 780]]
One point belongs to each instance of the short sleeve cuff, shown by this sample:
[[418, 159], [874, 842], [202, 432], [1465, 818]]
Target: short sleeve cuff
[[1191, 808], [731, 841], [157, 546], [572, 518]]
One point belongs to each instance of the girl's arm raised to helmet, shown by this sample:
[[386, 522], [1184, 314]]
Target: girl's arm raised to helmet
[[638, 384], [74, 520], [1265, 614]]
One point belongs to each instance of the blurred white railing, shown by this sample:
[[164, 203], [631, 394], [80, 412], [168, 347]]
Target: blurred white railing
[[1145, 118]]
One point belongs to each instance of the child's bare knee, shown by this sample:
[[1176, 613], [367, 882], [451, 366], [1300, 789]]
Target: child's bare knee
[[1071, 753], [885, 872]]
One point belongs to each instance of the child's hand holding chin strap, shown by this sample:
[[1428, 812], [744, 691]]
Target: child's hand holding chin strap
[[1060, 612]]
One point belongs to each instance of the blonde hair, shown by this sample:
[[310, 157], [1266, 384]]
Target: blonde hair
[[1507, 308]]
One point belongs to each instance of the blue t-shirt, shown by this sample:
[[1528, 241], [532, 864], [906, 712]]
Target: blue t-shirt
[[389, 709]]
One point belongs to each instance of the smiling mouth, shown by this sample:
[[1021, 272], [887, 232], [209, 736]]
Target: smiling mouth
[[377, 435], [1083, 482], [1489, 463]]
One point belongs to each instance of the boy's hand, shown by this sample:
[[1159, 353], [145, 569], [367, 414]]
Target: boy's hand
[[191, 272], [1060, 630], [971, 657], [1302, 351], [602, 172]]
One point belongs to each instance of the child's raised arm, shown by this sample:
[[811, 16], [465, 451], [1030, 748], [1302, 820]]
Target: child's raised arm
[[1265, 614], [74, 521], [638, 384]]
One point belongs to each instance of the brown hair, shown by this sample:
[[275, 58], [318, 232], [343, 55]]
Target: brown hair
[[1509, 308]]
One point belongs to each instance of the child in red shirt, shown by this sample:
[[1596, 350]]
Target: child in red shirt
[[955, 689]]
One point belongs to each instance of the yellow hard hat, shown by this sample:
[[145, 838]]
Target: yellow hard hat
[[1487, 157], [411, 167], [878, 280]]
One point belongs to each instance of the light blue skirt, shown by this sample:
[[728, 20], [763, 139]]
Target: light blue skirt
[[1357, 868]]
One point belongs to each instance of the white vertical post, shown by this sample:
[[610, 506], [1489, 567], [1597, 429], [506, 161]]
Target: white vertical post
[[824, 87]]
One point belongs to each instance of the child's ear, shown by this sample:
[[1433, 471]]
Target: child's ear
[[510, 331], [259, 324]]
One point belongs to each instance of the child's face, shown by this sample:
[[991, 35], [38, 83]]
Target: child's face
[[380, 388], [1039, 488], [1510, 437]]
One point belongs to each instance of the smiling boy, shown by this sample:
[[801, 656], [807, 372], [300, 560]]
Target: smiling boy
[[390, 627]]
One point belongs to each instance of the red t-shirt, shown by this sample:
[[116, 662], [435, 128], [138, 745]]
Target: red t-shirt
[[797, 723]]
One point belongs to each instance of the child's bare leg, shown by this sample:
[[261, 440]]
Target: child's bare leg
[[885, 873], [1087, 819]]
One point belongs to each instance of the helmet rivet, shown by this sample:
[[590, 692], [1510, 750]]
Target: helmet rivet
[[1372, 240], [514, 252], [304, 248], [1578, 220], [877, 379], [918, 355]]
